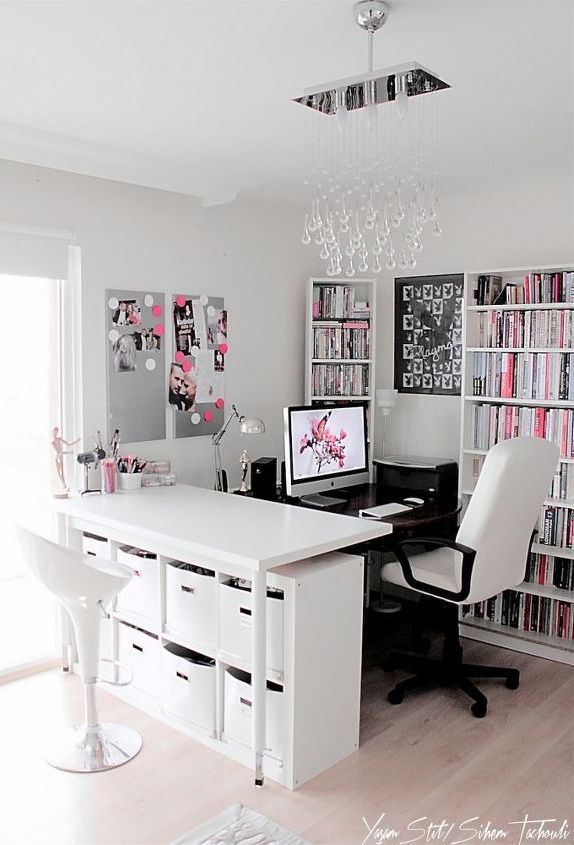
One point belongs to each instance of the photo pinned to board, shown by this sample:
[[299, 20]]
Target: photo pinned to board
[[196, 378], [136, 364]]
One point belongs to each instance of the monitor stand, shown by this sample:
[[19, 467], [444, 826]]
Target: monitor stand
[[318, 500]]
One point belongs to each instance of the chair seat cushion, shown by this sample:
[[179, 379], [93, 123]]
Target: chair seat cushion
[[439, 568]]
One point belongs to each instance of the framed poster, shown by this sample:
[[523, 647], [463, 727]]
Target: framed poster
[[428, 334], [135, 365], [196, 389]]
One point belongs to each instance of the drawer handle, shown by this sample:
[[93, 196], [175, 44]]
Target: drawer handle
[[91, 554], [246, 611], [245, 701], [183, 677], [185, 589], [137, 647]]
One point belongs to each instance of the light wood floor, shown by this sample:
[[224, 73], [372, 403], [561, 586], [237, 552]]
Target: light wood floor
[[428, 757]]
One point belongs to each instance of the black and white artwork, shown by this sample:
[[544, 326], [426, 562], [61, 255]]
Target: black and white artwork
[[428, 334]]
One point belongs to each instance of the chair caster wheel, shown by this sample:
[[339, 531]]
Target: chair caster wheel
[[478, 709], [395, 697], [513, 682]]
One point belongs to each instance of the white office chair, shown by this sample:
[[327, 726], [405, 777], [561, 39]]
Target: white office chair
[[489, 556], [83, 585]]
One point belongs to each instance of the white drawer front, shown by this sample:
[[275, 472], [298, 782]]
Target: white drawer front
[[235, 627], [95, 546], [238, 709], [141, 596], [190, 605], [188, 689], [139, 652]]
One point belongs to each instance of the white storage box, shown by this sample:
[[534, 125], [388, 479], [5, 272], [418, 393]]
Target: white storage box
[[238, 710], [188, 686], [94, 545], [139, 652], [141, 596], [190, 603], [235, 626]]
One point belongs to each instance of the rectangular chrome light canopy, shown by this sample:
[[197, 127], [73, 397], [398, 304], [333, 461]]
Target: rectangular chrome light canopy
[[378, 86]]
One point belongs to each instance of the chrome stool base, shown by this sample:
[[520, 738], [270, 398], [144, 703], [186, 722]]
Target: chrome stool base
[[107, 747]]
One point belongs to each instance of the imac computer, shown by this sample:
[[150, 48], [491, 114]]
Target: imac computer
[[325, 450]]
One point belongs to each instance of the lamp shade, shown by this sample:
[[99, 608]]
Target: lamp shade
[[386, 399], [251, 425]]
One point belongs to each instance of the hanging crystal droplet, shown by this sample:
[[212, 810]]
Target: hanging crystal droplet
[[436, 229], [350, 271], [306, 237], [376, 268]]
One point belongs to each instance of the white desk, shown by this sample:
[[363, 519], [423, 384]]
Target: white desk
[[247, 536]]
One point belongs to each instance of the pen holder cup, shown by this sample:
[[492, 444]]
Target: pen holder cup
[[129, 480], [109, 475]]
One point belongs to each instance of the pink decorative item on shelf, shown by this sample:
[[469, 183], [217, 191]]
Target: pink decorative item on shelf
[[109, 475]]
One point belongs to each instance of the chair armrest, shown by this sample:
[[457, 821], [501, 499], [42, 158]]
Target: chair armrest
[[468, 556]]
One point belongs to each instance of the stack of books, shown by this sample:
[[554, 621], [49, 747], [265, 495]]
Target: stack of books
[[341, 340], [340, 379], [492, 423], [523, 375], [337, 302], [556, 526], [526, 328], [547, 570], [526, 612]]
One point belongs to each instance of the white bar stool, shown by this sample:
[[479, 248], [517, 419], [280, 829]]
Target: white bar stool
[[83, 585]]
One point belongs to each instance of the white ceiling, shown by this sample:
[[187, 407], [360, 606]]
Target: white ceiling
[[196, 96]]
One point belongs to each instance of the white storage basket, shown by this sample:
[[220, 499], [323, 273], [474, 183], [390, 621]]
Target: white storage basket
[[238, 712], [188, 686], [139, 652], [141, 596], [235, 626], [95, 546], [190, 603]]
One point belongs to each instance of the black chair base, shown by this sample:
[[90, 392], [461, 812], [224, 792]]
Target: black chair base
[[449, 671]]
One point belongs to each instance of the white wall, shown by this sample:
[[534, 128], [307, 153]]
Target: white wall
[[519, 228], [133, 237], [251, 254]]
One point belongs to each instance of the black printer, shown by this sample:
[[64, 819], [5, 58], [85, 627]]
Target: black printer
[[425, 478]]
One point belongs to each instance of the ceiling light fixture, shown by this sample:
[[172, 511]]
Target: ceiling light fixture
[[372, 172]]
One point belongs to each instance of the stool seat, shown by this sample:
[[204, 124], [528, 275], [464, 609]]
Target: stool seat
[[83, 585]]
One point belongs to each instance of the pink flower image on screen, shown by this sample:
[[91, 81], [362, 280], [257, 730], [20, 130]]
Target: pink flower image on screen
[[208, 416], [180, 300], [159, 329], [219, 403], [179, 357], [186, 366], [326, 445], [156, 310], [223, 347]]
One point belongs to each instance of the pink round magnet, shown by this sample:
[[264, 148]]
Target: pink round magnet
[[180, 300], [159, 329], [186, 366], [179, 357], [223, 347], [208, 416], [219, 403], [156, 311]]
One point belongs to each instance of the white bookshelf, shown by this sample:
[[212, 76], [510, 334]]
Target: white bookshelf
[[472, 457], [364, 290]]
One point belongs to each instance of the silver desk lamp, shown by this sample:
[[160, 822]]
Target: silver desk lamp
[[247, 425]]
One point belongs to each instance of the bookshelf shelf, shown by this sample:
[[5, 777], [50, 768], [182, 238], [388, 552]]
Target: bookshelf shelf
[[477, 424], [330, 333]]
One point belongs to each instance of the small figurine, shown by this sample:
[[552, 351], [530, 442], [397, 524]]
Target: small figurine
[[58, 444], [244, 460]]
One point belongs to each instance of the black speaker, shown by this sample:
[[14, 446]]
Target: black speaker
[[264, 478]]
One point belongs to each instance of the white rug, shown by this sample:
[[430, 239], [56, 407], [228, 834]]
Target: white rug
[[238, 825]]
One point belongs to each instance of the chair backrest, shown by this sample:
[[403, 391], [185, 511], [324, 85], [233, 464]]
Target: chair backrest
[[503, 510], [71, 575]]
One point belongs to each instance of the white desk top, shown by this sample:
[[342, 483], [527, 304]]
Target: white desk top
[[248, 532]]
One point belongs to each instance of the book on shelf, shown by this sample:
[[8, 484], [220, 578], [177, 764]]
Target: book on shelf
[[526, 612], [550, 571], [493, 423], [337, 301], [556, 526], [536, 288], [524, 375], [334, 379], [341, 340], [526, 329]]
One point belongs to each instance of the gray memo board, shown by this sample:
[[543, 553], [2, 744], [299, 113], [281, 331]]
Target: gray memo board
[[135, 344]]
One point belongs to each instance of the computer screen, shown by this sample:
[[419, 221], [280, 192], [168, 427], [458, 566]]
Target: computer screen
[[325, 447]]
